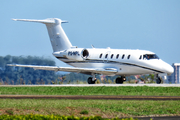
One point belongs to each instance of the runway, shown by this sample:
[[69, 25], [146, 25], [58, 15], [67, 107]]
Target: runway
[[94, 85], [92, 97]]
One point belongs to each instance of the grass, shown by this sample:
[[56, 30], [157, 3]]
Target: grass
[[84, 112], [10, 112], [125, 90], [104, 108]]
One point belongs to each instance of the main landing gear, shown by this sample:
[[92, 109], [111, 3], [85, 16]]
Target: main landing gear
[[91, 81], [120, 80]]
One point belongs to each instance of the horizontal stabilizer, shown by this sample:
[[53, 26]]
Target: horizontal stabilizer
[[40, 21], [45, 21]]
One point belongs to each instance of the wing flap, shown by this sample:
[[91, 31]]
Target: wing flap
[[107, 71]]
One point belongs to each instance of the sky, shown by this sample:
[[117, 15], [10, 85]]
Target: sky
[[152, 25]]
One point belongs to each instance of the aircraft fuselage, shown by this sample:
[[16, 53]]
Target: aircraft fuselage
[[127, 62]]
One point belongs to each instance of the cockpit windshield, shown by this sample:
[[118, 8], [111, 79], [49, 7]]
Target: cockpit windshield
[[150, 56]]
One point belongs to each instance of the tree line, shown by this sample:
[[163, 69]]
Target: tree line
[[18, 75]]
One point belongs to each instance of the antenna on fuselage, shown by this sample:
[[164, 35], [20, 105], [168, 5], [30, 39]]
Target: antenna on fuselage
[[92, 46]]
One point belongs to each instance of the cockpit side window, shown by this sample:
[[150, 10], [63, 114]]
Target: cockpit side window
[[144, 57], [150, 56]]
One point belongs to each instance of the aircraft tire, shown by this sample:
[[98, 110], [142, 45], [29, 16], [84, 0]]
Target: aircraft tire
[[119, 80], [90, 81], [158, 81]]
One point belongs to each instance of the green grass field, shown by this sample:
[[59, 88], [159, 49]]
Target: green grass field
[[125, 90], [104, 108]]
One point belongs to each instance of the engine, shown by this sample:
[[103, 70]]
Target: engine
[[78, 54]]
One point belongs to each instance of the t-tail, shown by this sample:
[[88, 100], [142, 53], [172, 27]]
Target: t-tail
[[58, 38]]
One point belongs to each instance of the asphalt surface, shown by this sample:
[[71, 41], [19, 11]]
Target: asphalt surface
[[87, 97], [160, 118]]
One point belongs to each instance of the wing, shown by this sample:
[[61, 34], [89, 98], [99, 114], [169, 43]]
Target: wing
[[107, 71]]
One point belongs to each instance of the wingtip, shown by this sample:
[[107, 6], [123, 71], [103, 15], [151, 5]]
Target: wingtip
[[14, 19], [11, 64], [8, 64]]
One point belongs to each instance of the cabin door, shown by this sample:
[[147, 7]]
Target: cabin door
[[107, 56]]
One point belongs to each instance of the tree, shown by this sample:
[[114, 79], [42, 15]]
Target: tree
[[151, 77], [23, 75]]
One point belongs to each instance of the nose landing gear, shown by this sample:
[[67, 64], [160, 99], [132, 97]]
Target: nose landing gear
[[158, 79]]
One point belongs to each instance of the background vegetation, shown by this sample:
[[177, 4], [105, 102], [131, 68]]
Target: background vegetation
[[18, 75], [56, 117]]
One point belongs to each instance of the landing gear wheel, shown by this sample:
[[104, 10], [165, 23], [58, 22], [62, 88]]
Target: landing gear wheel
[[158, 81], [90, 81], [119, 80]]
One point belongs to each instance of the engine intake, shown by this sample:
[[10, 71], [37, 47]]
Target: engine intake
[[78, 54], [85, 54]]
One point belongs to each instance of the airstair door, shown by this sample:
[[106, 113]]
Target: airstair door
[[107, 56]]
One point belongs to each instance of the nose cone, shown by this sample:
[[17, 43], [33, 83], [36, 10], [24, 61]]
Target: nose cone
[[170, 70], [165, 67]]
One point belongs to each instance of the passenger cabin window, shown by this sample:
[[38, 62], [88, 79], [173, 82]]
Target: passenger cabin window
[[117, 56], [150, 56], [112, 56], [140, 57], [128, 56], [123, 56], [100, 56], [106, 56]]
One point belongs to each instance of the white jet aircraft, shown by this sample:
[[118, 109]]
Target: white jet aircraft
[[95, 61]]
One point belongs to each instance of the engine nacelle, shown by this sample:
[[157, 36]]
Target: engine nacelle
[[78, 54]]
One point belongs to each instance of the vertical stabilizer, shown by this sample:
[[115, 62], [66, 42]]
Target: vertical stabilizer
[[58, 38]]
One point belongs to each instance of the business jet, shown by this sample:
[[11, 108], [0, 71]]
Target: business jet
[[95, 61]]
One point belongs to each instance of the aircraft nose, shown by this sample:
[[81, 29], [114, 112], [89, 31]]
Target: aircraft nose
[[169, 69]]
